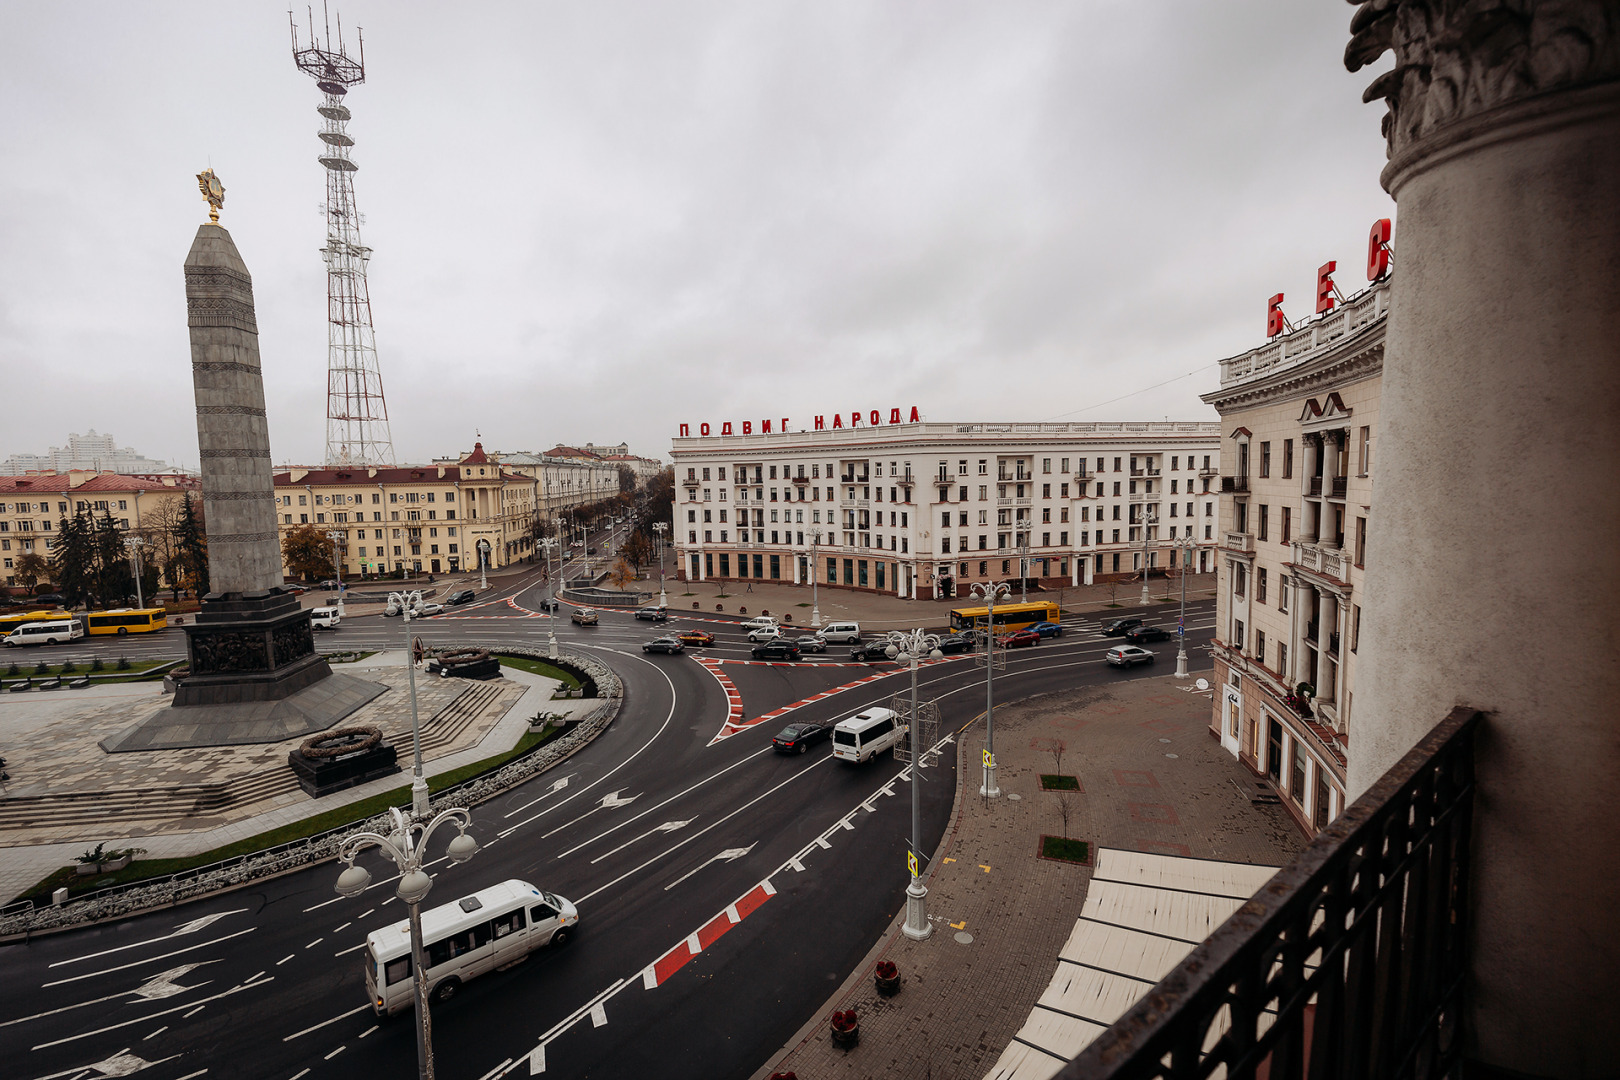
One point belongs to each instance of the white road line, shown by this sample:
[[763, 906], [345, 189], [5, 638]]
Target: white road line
[[363, 914], [91, 1001], [538, 1053], [668, 719], [154, 1016], [345, 926], [193, 1075], [184, 928], [314, 943], [668, 826], [350, 949], [333, 1054], [284, 959], [193, 1012], [156, 1033], [556, 785], [323, 1023], [149, 959], [300, 1073], [368, 1031], [487, 1076]]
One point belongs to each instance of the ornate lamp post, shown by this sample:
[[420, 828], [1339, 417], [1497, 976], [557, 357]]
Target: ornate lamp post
[[337, 539], [1146, 521], [1023, 566], [547, 545], [407, 602], [406, 846], [483, 549], [910, 646], [1188, 545], [990, 591], [815, 604], [659, 529], [134, 544]]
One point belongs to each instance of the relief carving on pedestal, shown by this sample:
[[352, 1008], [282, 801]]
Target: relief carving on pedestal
[[293, 641], [1458, 58], [228, 651]]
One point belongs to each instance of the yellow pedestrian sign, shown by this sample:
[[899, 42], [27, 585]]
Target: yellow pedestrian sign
[[989, 760], [911, 863]]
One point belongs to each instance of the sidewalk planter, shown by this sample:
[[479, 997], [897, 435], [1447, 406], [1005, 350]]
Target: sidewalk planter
[[846, 1029], [886, 978]]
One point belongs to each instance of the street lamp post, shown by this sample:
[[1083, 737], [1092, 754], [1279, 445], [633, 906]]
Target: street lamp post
[[991, 591], [483, 550], [548, 544], [1146, 521], [134, 545], [659, 529], [910, 646], [337, 563], [407, 601], [1023, 566], [1188, 546], [815, 604], [405, 846]]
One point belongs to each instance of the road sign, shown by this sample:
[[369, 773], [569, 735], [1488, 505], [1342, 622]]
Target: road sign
[[989, 760], [911, 862]]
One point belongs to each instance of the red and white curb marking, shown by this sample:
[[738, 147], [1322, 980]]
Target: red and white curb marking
[[735, 722], [734, 709], [658, 972]]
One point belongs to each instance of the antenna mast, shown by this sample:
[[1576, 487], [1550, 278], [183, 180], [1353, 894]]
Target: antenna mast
[[356, 413]]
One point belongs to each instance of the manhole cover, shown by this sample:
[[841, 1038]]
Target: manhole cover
[[964, 938], [1172, 755], [1014, 798]]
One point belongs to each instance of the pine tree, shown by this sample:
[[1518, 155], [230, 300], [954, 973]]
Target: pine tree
[[73, 558], [192, 547], [114, 582]]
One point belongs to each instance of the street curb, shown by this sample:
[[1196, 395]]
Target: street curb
[[863, 970]]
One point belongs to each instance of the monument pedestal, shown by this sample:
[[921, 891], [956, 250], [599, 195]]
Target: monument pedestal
[[249, 647]]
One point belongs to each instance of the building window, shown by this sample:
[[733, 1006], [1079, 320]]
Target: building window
[[1260, 645], [1260, 591], [1364, 455], [1361, 541], [1287, 523], [1265, 514], [1282, 659], [1355, 626], [1282, 595], [1265, 459], [1288, 458]]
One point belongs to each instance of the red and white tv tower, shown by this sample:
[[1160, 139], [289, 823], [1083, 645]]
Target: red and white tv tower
[[356, 414]]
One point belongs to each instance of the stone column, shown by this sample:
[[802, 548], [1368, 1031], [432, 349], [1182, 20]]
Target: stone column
[[1497, 506]]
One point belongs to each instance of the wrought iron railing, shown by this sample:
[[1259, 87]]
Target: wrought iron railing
[[1350, 963]]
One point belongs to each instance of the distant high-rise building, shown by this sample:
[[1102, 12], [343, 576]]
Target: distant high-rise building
[[90, 452]]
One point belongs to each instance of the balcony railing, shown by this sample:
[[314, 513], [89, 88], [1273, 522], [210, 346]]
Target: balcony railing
[[1341, 484], [1316, 486], [1230, 484], [1240, 541], [1311, 556], [1360, 946]]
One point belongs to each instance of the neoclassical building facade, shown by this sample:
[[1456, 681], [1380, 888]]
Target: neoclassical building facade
[[1299, 422]]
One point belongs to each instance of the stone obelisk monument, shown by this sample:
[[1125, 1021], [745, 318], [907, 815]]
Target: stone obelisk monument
[[254, 673]]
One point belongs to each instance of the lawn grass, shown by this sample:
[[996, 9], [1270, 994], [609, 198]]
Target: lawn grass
[[1059, 782], [569, 680], [143, 869], [80, 667], [1065, 850]]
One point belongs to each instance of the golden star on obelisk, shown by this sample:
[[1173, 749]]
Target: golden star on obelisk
[[213, 191]]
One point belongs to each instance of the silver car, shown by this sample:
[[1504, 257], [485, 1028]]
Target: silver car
[[1126, 655]]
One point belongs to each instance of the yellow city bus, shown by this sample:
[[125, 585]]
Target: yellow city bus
[[128, 621], [1009, 617], [11, 622]]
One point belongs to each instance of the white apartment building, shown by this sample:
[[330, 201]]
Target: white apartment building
[[1300, 419], [925, 510]]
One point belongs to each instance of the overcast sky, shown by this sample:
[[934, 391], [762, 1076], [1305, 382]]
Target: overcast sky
[[594, 221]]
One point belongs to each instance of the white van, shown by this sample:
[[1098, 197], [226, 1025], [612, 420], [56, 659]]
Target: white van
[[463, 939], [841, 633], [325, 618], [46, 633], [866, 734]]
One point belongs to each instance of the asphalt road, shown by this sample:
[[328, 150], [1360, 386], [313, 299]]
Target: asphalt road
[[655, 830]]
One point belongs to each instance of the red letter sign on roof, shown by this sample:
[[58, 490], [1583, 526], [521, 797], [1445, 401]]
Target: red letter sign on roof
[[1274, 316], [1324, 287]]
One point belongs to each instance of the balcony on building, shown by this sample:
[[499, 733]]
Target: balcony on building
[[1240, 542]]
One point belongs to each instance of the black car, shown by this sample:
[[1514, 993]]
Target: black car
[[780, 649], [49, 599], [656, 614], [797, 738], [664, 645], [548, 604], [1139, 634], [868, 651], [465, 596], [957, 643], [1120, 626]]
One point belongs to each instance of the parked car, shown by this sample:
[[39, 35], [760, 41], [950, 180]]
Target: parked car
[[1018, 639], [812, 643], [584, 616], [764, 633], [51, 599], [1120, 626], [846, 633], [696, 637], [663, 645], [1138, 634], [957, 643], [779, 649], [463, 596], [1048, 629], [869, 651], [656, 614], [797, 738], [1126, 655], [329, 583], [548, 604]]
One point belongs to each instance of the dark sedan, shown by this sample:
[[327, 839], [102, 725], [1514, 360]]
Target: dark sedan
[[780, 649], [663, 645], [1120, 626], [797, 738], [957, 643], [868, 651], [812, 643], [465, 596], [1139, 634], [1019, 639]]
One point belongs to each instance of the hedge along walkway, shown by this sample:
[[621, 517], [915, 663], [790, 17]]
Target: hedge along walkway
[[592, 716]]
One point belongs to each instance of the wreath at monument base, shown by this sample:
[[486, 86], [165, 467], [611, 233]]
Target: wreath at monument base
[[462, 656], [349, 740]]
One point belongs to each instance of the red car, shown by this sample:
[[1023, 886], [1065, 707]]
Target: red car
[[1018, 639]]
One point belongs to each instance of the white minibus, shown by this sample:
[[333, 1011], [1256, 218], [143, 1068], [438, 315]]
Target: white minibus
[[46, 633], [866, 734], [491, 928]]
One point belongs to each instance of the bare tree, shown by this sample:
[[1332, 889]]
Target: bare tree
[[1065, 801], [1055, 747]]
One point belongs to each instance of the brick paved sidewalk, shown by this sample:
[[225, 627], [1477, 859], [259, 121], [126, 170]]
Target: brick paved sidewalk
[[1152, 779]]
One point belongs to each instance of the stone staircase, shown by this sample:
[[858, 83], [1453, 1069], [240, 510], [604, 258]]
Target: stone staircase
[[74, 812]]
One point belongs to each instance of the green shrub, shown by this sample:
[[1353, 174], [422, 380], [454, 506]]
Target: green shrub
[[42, 668], [97, 665], [13, 671], [123, 663], [68, 667]]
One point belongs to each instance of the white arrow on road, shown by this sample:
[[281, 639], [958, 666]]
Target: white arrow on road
[[552, 790], [666, 827], [728, 855], [609, 801]]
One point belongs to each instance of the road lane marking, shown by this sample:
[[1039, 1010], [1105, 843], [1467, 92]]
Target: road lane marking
[[368, 1031], [284, 959], [728, 855], [156, 1033], [193, 1012], [148, 960], [156, 989], [153, 1016], [184, 928], [599, 1015], [556, 786], [333, 1054], [323, 1023], [314, 943], [609, 801], [668, 826], [350, 949]]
